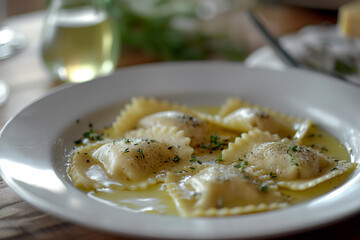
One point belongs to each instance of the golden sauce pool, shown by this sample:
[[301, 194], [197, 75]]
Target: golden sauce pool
[[156, 200]]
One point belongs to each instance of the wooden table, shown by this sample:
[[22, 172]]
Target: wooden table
[[28, 79]]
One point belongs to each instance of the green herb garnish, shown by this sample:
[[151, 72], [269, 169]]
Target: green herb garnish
[[219, 158], [215, 143], [90, 136], [241, 165], [272, 175], [176, 159], [195, 160], [264, 188], [140, 151], [289, 151]]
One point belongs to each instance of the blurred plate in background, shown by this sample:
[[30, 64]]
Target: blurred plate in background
[[319, 47]]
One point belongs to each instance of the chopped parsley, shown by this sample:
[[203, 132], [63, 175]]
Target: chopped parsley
[[264, 188], [89, 136], [238, 165], [241, 165], [195, 160], [140, 151], [290, 151], [219, 158], [176, 159], [272, 175], [215, 143]]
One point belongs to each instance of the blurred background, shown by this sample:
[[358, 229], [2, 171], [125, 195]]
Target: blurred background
[[15, 7], [175, 30]]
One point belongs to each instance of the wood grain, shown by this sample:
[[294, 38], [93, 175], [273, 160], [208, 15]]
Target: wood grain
[[19, 220]]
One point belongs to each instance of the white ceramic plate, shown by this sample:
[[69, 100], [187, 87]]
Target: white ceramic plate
[[33, 144], [4, 92]]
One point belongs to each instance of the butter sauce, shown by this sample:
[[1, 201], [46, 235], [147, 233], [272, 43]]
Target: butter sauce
[[156, 200], [329, 145]]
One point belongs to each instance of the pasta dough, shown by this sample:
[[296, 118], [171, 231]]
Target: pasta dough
[[196, 129], [237, 161], [222, 190], [137, 162], [135, 159], [295, 166], [243, 116], [139, 108]]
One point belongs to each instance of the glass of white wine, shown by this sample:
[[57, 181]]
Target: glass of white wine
[[80, 40]]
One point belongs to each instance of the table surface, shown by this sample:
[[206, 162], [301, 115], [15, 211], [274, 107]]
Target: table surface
[[28, 79]]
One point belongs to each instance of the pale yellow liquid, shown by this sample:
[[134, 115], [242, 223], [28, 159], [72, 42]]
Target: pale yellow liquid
[[330, 146], [156, 200], [80, 45]]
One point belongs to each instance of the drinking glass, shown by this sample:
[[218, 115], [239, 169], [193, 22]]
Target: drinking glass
[[80, 40]]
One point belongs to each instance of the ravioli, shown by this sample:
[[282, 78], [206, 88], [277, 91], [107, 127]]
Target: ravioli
[[139, 108], [196, 129], [246, 119], [86, 172], [231, 105], [203, 131], [242, 159], [174, 138], [294, 166], [136, 162], [242, 116], [222, 190]]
